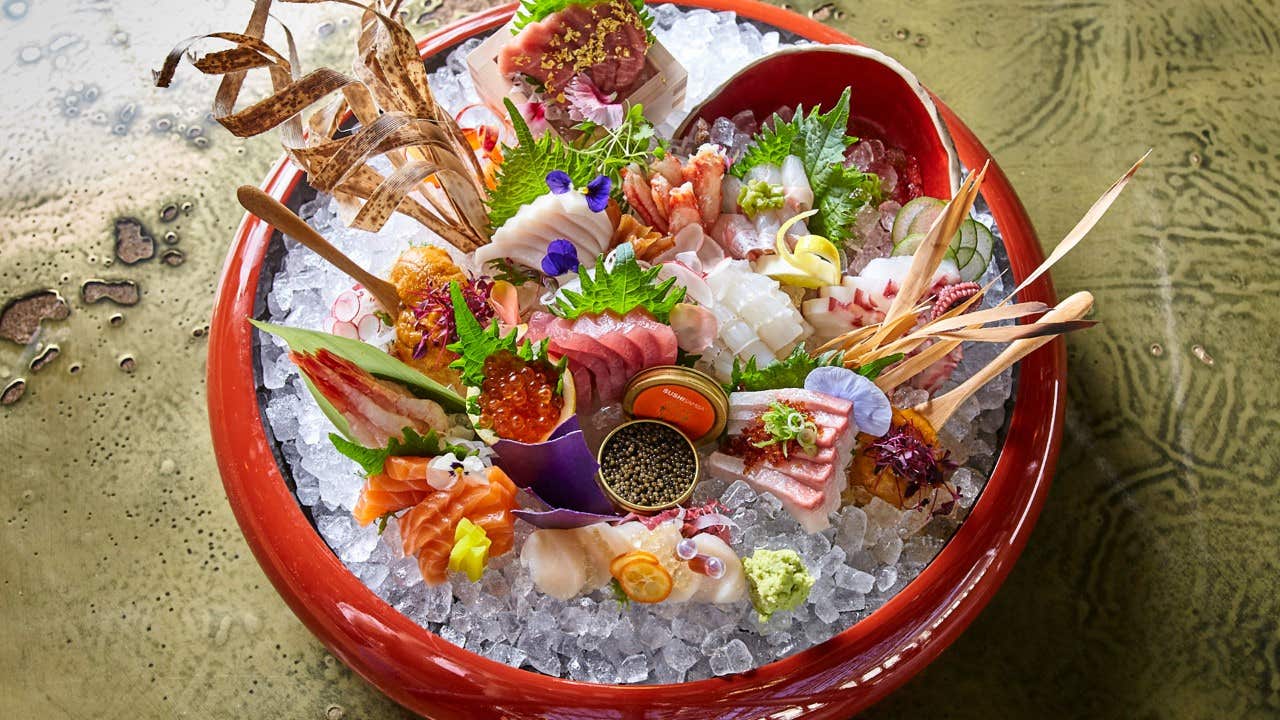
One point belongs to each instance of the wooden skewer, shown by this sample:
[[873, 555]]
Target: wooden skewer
[[286, 221], [938, 410]]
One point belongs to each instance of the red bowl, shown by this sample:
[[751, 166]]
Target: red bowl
[[902, 113], [436, 678]]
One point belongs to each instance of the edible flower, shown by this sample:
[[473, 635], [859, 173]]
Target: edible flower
[[784, 424], [908, 455], [597, 191], [587, 103], [535, 115], [776, 580], [871, 410], [814, 263], [757, 196], [561, 257], [470, 549]]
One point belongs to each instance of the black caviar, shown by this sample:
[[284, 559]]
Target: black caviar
[[648, 464]]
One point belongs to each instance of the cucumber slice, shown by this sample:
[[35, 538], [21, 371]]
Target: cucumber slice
[[902, 221], [924, 219], [966, 242], [908, 245], [984, 248]]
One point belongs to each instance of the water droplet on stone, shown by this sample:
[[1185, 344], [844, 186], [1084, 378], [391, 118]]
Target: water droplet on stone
[[921, 41], [201, 142], [334, 712], [120, 292], [20, 319], [13, 392], [75, 368], [1202, 355], [1194, 159], [44, 358], [186, 208], [173, 257], [902, 33], [128, 364], [198, 332], [133, 242], [167, 466], [169, 213], [116, 320], [1157, 349], [171, 238], [825, 12]]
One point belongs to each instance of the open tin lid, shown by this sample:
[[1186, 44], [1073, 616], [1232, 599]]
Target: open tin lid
[[688, 399]]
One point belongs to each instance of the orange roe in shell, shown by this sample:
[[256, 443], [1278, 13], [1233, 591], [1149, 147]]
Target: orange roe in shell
[[518, 399]]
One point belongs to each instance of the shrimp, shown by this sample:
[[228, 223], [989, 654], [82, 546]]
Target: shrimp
[[683, 208], [705, 171]]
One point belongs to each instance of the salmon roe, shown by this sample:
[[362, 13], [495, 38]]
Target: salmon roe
[[518, 400]]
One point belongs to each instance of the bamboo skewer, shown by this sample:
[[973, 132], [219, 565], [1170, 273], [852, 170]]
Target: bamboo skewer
[[286, 221], [938, 410]]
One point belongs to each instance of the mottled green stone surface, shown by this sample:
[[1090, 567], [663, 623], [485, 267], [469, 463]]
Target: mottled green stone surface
[[1149, 589]]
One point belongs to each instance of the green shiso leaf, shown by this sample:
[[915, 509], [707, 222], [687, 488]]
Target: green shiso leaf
[[522, 177], [819, 140], [620, 289], [872, 370], [476, 343], [788, 372], [538, 10], [409, 444], [368, 358]]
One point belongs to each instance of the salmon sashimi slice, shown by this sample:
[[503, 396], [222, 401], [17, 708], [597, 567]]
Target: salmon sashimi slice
[[427, 530], [384, 494]]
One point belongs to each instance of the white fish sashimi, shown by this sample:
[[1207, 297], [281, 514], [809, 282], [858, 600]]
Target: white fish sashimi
[[796, 192], [771, 174], [730, 587], [555, 562], [524, 238], [568, 563]]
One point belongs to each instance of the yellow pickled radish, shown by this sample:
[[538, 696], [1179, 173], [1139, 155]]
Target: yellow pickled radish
[[814, 263], [470, 549]]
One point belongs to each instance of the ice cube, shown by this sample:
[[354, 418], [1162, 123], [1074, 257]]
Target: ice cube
[[634, 669], [886, 577], [733, 657], [736, 494], [679, 656]]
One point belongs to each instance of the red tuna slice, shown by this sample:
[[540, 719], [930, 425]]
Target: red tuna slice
[[608, 330], [658, 340], [545, 326], [606, 41], [598, 360]]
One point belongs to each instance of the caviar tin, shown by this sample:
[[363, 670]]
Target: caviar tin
[[617, 498], [689, 400]]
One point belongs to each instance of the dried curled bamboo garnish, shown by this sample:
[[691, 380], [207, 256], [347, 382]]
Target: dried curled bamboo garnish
[[389, 97]]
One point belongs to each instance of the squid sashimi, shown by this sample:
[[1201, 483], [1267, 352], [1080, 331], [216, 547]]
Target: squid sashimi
[[756, 318], [524, 238], [427, 529], [375, 411], [568, 563]]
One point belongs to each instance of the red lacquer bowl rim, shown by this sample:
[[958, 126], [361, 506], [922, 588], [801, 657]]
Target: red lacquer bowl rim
[[431, 676]]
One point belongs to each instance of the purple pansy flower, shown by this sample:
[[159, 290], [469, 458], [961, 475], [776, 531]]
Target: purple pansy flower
[[562, 257], [559, 182], [598, 193]]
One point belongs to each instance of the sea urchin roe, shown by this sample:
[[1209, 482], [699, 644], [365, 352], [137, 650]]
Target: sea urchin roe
[[518, 399], [648, 464]]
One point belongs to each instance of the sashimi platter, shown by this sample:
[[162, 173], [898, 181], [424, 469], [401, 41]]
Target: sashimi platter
[[588, 370]]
